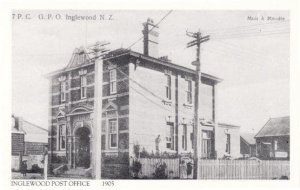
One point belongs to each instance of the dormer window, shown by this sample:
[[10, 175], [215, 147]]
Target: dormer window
[[113, 81], [83, 86]]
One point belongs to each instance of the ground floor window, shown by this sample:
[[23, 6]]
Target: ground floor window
[[227, 143], [113, 135], [170, 136], [184, 137], [206, 143], [62, 137]]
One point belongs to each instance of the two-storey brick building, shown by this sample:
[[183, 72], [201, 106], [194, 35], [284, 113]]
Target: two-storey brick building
[[142, 100]]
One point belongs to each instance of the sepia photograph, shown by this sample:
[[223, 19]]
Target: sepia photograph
[[150, 94]]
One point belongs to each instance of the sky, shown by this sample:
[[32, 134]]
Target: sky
[[250, 55]]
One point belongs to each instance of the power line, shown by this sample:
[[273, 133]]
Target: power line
[[150, 92], [146, 89], [256, 31], [236, 50], [246, 26], [160, 106], [250, 29], [249, 35], [151, 29]]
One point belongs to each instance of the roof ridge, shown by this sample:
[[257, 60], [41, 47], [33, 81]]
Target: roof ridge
[[279, 117], [262, 128], [35, 125], [278, 126]]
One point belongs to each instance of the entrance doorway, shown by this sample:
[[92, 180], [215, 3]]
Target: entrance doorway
[[83, 147]]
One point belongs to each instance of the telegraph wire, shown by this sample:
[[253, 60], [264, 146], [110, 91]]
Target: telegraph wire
[[241, 36], [149, 91], [250, 30], [251, 53], [160, 106], [246, 26], [257, 31], [245, 59], [168, 13]]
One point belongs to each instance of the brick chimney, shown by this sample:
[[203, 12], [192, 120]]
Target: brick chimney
[[150, 38]]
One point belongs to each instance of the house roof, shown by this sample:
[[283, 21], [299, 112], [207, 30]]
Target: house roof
[[226, 125], [248, 137], [279, 126], [33, 133], [79, 59]]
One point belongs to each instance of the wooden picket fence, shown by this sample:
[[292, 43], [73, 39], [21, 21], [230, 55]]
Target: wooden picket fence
[[148, 166], [243, 169], [222, 169]]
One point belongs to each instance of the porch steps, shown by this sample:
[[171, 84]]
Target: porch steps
[[76, 173]]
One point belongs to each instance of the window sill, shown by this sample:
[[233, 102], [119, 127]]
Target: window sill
[[189, 106], [167, 102], [62, 103], [113, 148], [170, 150]]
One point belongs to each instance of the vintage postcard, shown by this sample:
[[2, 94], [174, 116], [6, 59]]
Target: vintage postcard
[[173, 94]]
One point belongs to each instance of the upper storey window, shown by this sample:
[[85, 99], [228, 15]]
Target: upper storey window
[[113, 81], [63, 91], [83, 86], [189, 99], [168, 87]]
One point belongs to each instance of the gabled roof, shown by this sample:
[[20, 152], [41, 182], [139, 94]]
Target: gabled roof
[[279, 126], [79, 58], [248, 138], [33, 133]]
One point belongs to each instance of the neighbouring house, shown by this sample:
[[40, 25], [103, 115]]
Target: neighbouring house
[[130, 100], [28, 142], [248, 145], [227, 141], [273, 140]]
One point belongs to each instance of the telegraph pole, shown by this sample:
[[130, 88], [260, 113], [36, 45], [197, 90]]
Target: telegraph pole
[[198, 39], [98, 50]]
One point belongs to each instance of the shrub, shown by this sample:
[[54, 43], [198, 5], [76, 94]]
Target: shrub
[[136, 168], [50, 169], [160, 171], [36, 169]]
